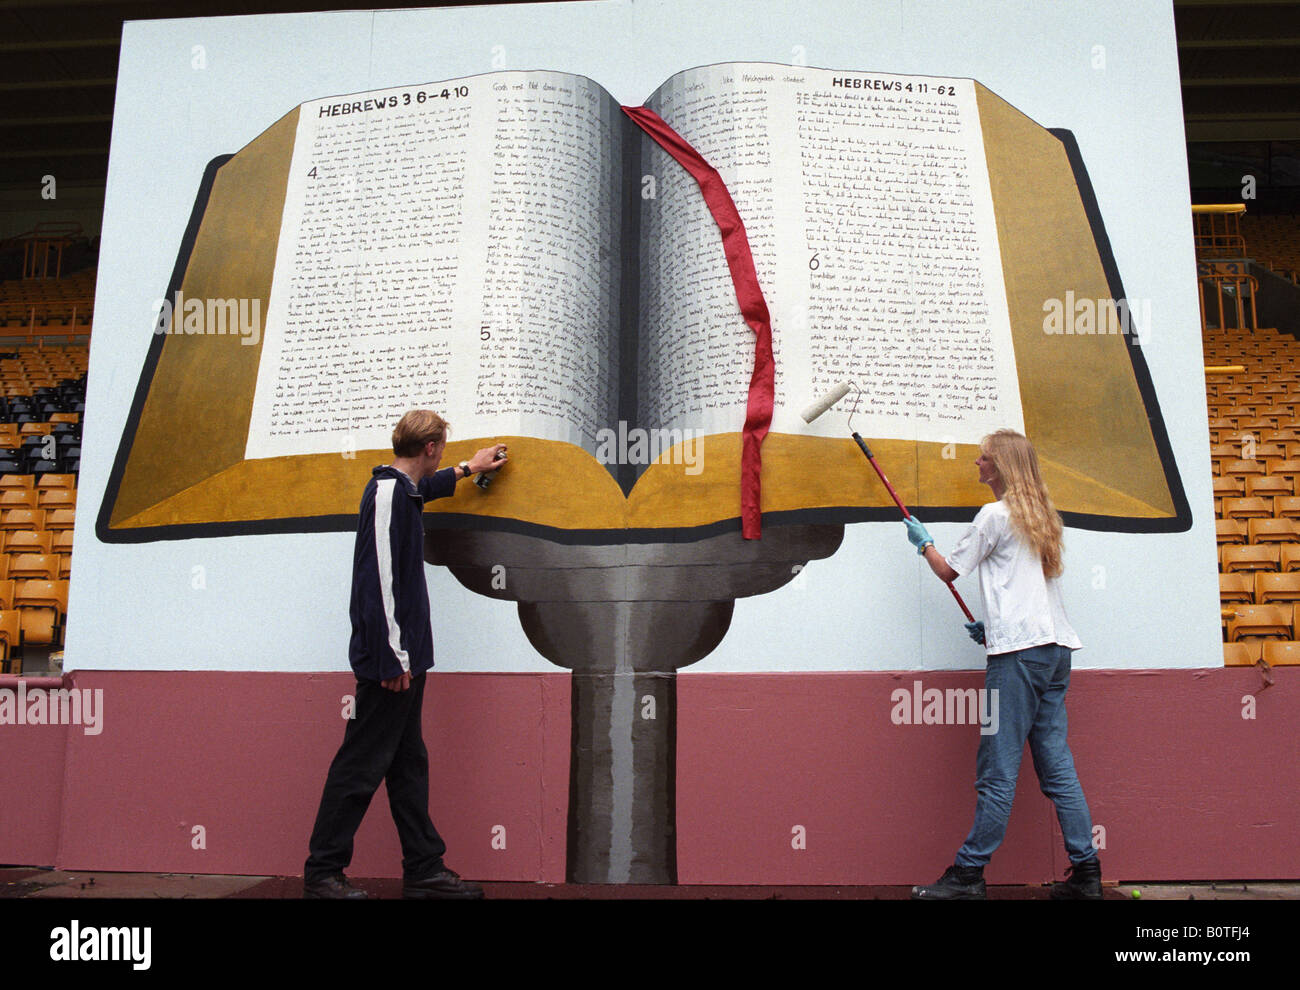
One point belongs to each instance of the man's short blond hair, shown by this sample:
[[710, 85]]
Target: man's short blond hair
[[415, 429]]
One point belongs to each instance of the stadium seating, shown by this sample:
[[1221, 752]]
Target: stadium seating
[[45, 325], [1255, 448]]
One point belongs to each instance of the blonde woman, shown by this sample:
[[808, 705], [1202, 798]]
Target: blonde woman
[[1014, 547]]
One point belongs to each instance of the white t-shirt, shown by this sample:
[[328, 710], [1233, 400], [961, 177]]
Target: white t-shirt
[[1021, 607]]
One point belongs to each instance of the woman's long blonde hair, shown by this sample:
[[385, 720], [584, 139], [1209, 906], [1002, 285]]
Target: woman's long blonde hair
[[1033, 517]]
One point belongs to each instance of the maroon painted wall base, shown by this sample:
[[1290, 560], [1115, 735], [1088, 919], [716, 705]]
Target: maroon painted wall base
[[781, 778]]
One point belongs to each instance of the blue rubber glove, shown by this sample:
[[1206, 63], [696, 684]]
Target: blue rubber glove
[[976, 630], [918, 534]]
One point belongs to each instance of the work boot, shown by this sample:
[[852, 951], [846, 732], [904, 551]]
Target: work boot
[[335, 888], [446, 884], [958, 883], [1082, 882]]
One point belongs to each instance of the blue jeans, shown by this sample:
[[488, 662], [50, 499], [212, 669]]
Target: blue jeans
[[1030, 687]]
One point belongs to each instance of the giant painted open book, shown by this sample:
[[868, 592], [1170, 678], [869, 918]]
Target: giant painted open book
[[510, 250]]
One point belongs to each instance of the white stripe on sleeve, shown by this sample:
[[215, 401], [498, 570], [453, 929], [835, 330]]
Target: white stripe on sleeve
[[384, 554]]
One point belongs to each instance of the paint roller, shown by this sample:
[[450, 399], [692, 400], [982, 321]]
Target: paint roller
[[825, 403]]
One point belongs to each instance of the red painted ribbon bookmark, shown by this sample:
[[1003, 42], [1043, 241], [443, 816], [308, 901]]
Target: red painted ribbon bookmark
[[753, 307]]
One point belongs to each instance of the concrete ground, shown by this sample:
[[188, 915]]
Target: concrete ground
[[29, 882]]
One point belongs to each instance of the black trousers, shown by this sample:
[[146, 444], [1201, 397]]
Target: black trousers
[[383, 742]]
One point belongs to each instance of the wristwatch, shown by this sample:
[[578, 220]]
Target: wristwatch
[[464, 467]]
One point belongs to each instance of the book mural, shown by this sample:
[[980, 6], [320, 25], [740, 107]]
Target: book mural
[[511, 250]]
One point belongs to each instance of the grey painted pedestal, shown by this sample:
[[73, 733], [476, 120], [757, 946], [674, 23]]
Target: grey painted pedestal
[[624, 619]]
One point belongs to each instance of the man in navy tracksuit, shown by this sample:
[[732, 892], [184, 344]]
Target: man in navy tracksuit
[[390, 651]]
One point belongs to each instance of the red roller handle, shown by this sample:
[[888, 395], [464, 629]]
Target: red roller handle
[[906, 515]]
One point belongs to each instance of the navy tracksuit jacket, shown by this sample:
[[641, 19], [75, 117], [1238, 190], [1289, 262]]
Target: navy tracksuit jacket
[[391, 632]]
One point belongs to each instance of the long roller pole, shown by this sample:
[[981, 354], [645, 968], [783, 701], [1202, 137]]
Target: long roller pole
[[906, 515]]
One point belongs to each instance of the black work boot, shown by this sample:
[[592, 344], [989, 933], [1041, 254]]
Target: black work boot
[[958, 883], [335, 888], [1082, 882], [446, 884]]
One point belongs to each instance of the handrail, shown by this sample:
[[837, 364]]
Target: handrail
[[1237, 282]]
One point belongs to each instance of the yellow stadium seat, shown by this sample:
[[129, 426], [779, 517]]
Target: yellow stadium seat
[[56, 498], [1271, 588], [34, 565], [1266, 451], [1289, 557], [18, 497], [1286, 506], [1234, 487], [33, 519], [43, 594], [40, 626], [1237, 588], [1260, 622], [70, 481], [27, 541], [1255, 424], [1243, 468], [60, 520], [1282, 413], [1231, 531], [1281, 653], [1269, 485], [1242, 654], [1247, 508], [1283, 466], [1250, 558], [1271, 531]]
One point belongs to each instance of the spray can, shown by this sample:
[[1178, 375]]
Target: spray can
[[484, 478]]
